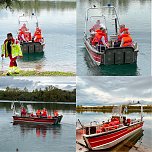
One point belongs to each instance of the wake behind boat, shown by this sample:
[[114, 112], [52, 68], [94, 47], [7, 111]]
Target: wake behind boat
[[40, 117], [105, 135], [118, 49]]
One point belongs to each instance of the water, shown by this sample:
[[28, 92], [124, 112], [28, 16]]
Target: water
[[38, 138], [57, 20], [136, 15], [143, 141]]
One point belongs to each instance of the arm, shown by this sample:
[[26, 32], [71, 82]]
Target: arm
[[104, 42], [122, 42]]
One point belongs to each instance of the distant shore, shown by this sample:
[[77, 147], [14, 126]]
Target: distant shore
[[80, 108]]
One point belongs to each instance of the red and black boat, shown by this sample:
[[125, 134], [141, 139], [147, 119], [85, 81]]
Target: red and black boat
[[29, 117], [112, 54], [100, 136]]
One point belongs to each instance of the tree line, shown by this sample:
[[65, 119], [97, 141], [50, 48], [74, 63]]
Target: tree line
[[49, 94]]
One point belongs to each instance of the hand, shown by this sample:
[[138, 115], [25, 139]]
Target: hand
[[2, 55]]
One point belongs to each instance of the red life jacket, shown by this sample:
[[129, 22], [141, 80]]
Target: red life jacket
[[127, 40], [121, 31], [98, 36]]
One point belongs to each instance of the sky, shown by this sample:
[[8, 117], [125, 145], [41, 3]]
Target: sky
[[31, 83], [94, 91]]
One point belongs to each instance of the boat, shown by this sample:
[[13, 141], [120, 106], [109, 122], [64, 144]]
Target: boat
[[105, 135], [30, 117], [112, 55], [30, 46], [41, 120]]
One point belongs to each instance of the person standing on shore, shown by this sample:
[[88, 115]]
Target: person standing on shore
[[11, 48]]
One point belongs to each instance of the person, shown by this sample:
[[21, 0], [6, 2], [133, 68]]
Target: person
[[31, 114], [24, 35], [101, 38], [24, 28], [56, 114], [11, 48], [38, 35], [38, 113], [126, 39], [44, 112], [23, 112], [96, 26], [122, 28]]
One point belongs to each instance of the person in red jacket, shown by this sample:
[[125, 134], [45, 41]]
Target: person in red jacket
[[126, 39], [101, 39]]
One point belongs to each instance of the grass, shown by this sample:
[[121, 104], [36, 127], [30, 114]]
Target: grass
[[38, 73]]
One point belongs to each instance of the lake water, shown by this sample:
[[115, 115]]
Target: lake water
[[38, 138], [136, 15], [144, 140], [57, 20]]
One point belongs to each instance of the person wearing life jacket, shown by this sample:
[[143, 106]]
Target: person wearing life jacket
[[44, 112], [23, 112], [38, 35], [126, 39], [122, 29], [56, 114], [24, 35], [101, 39], [38, 113], [21, 36], [11, 48]]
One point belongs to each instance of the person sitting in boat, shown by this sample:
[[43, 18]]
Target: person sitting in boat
[[38, 35], [31, 114], [122, 28], [126, 39], [38, 113], [44, 112], [101, 39], [24, 28], [97, 26], [23, 112], [24, 34], [56, 113]]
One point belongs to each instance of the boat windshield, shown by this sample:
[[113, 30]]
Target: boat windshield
[[101, 17]]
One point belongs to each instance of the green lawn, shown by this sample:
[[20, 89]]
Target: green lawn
[[38, 73]]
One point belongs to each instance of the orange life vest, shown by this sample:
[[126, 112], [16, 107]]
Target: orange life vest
[[121, 33], [44, 113], [38, 35], [38, 112], [98, 36], [56, 113], [127, 40]]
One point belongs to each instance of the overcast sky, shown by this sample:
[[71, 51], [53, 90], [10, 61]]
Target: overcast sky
[[113, 90], [31, 83]]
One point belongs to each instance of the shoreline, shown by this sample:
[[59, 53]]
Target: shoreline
[[146, 108]]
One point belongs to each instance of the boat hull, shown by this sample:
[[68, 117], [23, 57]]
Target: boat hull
[[106, 141], [118, 55], [32, 47], [51, 121]]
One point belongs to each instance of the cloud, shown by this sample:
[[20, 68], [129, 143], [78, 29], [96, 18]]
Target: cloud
[[31, 83], [113, 90]]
